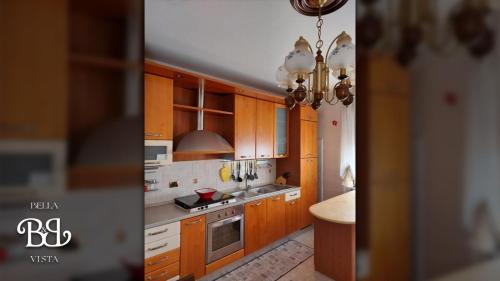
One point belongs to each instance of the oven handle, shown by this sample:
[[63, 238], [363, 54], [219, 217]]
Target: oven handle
[[226, 221]]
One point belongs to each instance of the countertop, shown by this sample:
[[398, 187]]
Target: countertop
[[339, 209], [169, 212]]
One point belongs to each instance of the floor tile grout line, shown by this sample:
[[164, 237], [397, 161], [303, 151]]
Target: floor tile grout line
[[294, 266]]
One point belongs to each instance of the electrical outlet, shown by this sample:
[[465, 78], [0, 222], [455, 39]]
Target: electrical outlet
[[173, 184]]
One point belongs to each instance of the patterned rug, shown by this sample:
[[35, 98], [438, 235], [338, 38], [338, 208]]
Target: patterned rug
[[271, 265]]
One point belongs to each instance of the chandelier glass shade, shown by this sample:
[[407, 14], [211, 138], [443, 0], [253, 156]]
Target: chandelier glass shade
[[306, 77]]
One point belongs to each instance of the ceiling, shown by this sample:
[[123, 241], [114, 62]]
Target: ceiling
[[239, 40]]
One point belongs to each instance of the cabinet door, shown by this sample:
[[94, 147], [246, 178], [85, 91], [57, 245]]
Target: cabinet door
[[244, 127], [280, 131], [292, 219], [307, 113], [255, 225], [264, 136], [275, 218], [193, 246], [309, 185], [308, 139], [158, 107]]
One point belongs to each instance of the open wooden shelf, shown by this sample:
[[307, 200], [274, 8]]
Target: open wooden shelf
[[103, 62], [207, 110]]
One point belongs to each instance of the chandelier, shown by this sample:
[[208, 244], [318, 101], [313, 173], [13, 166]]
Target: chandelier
[[301, 66]]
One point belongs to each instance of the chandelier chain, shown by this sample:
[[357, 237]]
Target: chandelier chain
[[319, 24]]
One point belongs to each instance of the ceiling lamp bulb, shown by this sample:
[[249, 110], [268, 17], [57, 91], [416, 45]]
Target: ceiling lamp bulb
[[300, 61], [342, 59], [284, 79]]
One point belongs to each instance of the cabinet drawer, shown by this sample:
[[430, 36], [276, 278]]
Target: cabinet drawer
[[162, 260], [163, 274], [292, 195], [161, 246], [161, 232]]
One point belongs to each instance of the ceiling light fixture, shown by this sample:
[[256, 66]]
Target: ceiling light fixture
[[301, 66]]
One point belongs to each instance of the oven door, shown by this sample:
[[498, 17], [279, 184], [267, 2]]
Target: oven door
[[224, 237]]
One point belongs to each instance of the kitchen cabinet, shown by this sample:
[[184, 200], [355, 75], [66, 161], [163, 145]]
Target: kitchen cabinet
[[158, 107], [292, 216], [308, 113], [276, 222], [255, 225], [192, 259], [244, 127], [264, 137], [308, 138], [309, 185], [280, 131]]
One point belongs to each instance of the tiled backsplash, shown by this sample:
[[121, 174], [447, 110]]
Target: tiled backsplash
[[206, 173]]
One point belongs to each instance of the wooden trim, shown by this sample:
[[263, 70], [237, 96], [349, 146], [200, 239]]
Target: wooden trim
[[224, 261], [206, 110]]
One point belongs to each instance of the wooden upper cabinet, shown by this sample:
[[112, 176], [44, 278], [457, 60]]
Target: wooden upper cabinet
[[158, 107], [308, 139], [292, 216], [276, 224], [309, 186], [192, 258], [244, 127], [264, 137], [255, 225], [281, 114], [307, 113]]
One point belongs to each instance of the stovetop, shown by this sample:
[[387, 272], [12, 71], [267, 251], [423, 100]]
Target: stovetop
[[193, 202]]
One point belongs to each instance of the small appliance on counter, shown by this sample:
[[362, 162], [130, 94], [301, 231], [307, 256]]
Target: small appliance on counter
[[195, 203]]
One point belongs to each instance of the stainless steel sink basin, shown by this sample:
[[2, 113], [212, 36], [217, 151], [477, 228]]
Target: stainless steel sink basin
[[244, 194], [256, 191]]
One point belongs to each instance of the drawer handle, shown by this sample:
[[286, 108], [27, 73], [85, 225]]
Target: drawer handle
[[276, 199], [158, 261], [257, 204], [295, 194], [193, 222], [158, 232], [158, 247], [243, 156], [153, 134]]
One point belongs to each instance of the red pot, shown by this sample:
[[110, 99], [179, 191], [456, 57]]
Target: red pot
[[205, 193]]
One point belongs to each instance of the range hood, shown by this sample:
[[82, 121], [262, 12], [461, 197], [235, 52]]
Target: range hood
[[203, 141]]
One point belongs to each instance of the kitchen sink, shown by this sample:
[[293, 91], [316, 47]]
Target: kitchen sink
[[244, 194], [256, 191]]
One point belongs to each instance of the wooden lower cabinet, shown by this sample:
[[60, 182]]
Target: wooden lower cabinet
[[276, 223], [192, 259], [159, 261], [255, 225], [309, 184], [164, 273], [224, 261], [292, 216]]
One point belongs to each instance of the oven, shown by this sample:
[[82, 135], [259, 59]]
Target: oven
[[225, 230]]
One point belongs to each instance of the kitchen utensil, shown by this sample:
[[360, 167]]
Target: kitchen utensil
[[205, 193], [233, 177], [250, 168], [238, 168], [225, 173], [255, 170]]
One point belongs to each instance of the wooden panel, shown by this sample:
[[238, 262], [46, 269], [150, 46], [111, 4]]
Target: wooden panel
[[158, 107], [255, 225], [33, 72], [335, 250], [109, 176], [308, 139], [244, 131], [264, 137], [162, 260], [291, 165], [276, 222], [309, 184], [292, 216], [277, 154], [224, 261], [163, 274], [193, 246], [307, 113]]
